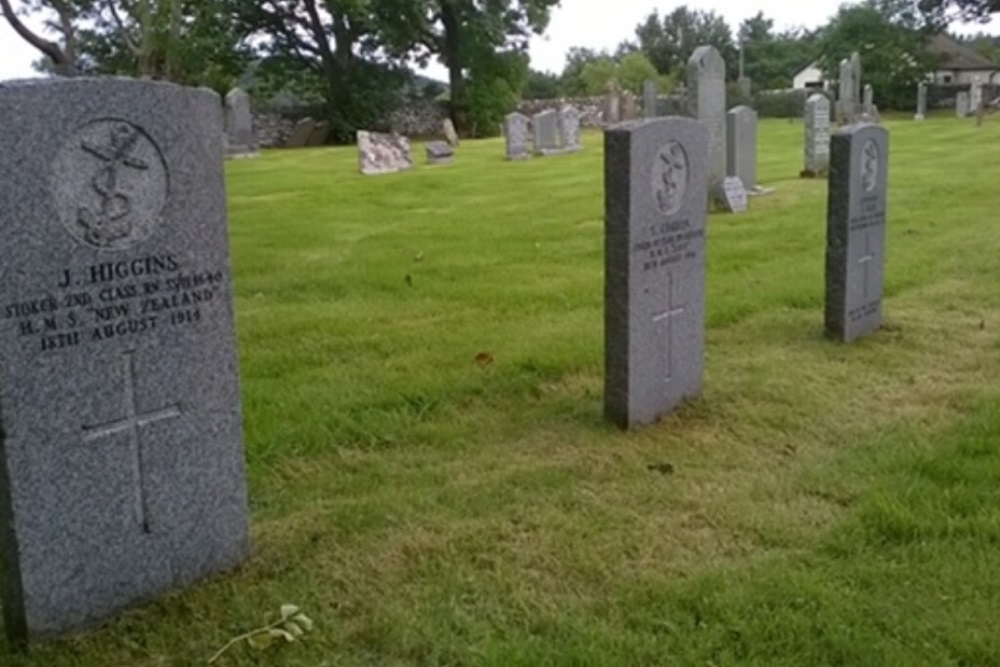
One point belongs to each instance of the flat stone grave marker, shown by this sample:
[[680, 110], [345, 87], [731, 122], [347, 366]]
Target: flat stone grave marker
[[855, 231], [706, 95], [439, 152], [546, 126], [301, 133], [656, 186], [383, 153], [732, 194], [121, 455], [741, 149], [516, 135], [817, 128]]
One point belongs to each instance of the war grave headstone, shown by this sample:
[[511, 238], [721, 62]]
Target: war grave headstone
[[319, 134], [301, 133], [855, 232], [121, 456], [741, 149], [656, 185], [706, 95], [569, 129], [817, 129], [439, 152], [921, 101], [241, 140], [546, 128], [516, 136], [380, 153], [450, 135], [962, 104], [650, 96]]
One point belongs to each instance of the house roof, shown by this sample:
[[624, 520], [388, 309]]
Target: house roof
[[955, 56], [811, 63]]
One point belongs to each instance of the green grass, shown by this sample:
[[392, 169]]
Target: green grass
[[829, 505]]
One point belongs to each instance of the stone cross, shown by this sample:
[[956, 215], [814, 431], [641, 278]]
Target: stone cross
[[817, 130], [855, 232], [122, 453], [706, 84], [656, 185], [741, 145], [516, 136], [921, 101]]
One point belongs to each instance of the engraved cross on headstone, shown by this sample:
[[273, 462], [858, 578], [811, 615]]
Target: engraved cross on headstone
[[866, 260], [130, 424], [668, 317]]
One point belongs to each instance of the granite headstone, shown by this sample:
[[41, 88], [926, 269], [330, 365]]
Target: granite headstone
[[611, 111], [300, 133], [741, 150], [569, 129], [706, 86], [855, 231], [121, 455], [650, 95], [656, 185], [383, 153], [450, 135], [962, 104], [546, 129], [241, 141], [921, 101], [516, 135], [817, 130]]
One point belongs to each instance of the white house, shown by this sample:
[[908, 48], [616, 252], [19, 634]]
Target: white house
[[808, 76]]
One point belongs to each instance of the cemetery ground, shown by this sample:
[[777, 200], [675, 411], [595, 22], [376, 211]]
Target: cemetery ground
[[432, 481]]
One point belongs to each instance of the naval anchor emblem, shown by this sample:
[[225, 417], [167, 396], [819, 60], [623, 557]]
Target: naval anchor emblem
[[110, 185]]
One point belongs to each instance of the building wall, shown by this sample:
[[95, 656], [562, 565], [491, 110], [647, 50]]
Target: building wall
[[964, 76], [810, 77]]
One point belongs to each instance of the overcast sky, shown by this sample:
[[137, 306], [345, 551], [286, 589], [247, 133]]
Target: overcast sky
[[593, 23]]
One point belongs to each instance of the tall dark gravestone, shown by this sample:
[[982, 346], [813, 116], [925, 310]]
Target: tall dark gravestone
[[855, 231], [121, 457], [656, 184]]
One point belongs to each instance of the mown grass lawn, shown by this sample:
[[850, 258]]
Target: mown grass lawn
[[828, 505]]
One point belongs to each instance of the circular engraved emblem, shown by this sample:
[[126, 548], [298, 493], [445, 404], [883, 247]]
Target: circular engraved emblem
[[869, 165], [670, 177], [110, 185]]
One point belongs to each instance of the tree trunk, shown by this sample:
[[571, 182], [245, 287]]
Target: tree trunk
[[452, 55]]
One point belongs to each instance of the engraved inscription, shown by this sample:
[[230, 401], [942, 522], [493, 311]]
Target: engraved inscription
[[110, 185], [668, 243], [131, 424], [670, 177], [869, 165]]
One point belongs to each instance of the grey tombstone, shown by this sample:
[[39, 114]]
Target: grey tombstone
[[741, 148], [569, 129], [745, 85], [817, 130], [629, 105], [439, 152], [650, 96], [868, 105], [921, 101], [546, 127], [383, 153], [612, 106], [856, 79], [706, 84], [301, 133], [855, 231], [121, 456], [319, 134], [241, 141], [656, 185], [975, 95], [515, 133], [962, 104], [450, 135], [732, 194]]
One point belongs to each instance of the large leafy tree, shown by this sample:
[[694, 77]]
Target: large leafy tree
[[62, 17], [942, 12], [670, 40], [770, 57]]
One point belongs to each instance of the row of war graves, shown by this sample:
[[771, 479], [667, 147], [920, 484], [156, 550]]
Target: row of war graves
[[122, 471]]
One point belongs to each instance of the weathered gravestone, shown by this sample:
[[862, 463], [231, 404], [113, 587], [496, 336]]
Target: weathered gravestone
[[241, 140], [301, 133], [706, 86], [569, 129], [383, 153], [845, 105], [121, 459], [515, 133], [962, 104], [611, 111], [628, 106], [656, 185], [439, 152], [319, 134], [975, 95], [546, 127], [450, 135], [650, 95], [817, 148], [741, 149], [921, 101], [732, 195], [868, 103], [855, 231]]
